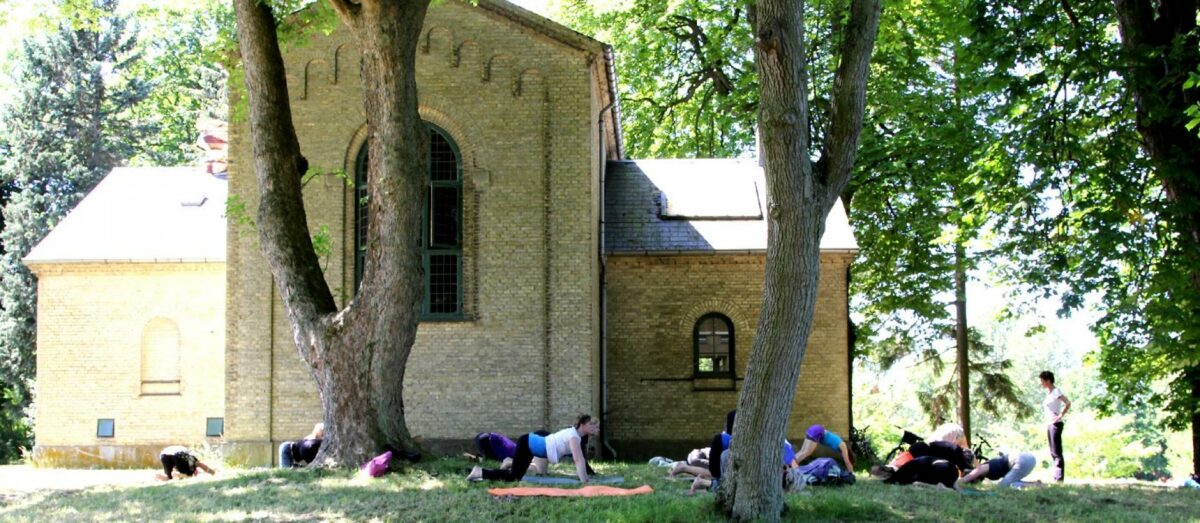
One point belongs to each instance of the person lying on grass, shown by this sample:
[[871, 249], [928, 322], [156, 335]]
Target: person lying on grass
[[696, 465], [178, 463], [817, 435], [722, 441], [566, 442], [924, 471], [962, 459], [1008, 469]]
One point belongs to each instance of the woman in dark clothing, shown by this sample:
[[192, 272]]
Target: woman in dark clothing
[[923, 471], [1009, 470], [302, 451], [179, 459], [962, 459]]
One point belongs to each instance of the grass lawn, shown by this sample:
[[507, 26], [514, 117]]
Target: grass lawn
[[437, 491]]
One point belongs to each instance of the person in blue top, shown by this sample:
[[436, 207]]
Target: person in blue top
[[720, 447], [817, 435]]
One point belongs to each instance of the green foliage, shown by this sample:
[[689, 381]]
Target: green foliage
[[237, 214], [15, 433], [181, 63], [687, 82], [992, 390], [1091, 218], [69, 123]]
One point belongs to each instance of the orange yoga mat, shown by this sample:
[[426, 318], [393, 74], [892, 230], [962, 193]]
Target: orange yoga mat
[[589, 491]]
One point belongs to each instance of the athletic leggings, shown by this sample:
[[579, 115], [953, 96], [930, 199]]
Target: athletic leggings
[[520, 464]]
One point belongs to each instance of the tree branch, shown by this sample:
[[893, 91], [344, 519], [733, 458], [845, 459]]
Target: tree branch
[[849, 95], [278, 165]]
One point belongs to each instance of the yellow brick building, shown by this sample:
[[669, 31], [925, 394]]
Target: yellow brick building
[[561, 278], [131, 316]]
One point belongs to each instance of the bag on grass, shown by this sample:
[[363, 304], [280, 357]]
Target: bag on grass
[[378, 465]]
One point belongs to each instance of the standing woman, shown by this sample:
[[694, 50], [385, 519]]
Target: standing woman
[[1056, 405], [566, 442]]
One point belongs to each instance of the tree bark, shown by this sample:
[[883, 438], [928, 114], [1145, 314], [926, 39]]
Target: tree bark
[[960, 339], [799, 198], [356, 356], [1162, 47]]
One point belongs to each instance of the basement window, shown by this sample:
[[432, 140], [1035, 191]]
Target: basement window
[[105, 427], [214, 427]]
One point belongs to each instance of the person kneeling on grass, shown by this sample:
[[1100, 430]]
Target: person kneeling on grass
[[817, 435], [566, 442], [1009, 470], [302, 451], [178, 463]]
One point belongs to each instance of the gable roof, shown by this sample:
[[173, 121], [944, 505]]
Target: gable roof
[[142, 214], [688, 206]]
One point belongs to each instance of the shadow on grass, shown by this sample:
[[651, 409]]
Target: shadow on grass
[[437, 491]]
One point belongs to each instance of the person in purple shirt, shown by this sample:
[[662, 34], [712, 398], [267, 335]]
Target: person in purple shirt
[[817, 435], [494, 445]]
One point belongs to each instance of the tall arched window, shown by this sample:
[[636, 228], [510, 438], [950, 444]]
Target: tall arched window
[[160, 357], [714, 346], [441, 226]]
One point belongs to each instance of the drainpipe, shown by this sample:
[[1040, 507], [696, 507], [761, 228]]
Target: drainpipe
[[603, 291], [271, 373]]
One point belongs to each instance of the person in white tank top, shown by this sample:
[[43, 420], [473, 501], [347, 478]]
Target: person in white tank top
[[550, 447], [1056, 405]]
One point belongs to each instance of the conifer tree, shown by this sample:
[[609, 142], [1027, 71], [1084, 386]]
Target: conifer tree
[[68, 124]]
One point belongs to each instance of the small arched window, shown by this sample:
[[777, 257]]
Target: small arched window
[[713, 342], [441, 231]]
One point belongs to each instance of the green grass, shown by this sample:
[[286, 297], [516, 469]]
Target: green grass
[[437, 491]]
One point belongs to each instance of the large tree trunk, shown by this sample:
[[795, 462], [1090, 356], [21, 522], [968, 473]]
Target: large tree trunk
[[1162, 45], [960, 339], [356, 356], [800, 195]]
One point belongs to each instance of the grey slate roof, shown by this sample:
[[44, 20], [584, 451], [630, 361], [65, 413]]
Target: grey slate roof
[[145, 214], [710, 205]]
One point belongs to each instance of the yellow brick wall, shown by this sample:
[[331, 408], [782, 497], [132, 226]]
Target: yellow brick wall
[[90, 322], [521, 109], [653, 303]]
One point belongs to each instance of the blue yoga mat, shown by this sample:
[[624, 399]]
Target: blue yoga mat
[[571, 480]]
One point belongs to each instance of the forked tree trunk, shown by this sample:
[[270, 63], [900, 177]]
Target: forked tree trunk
[[1163, 46], [800, 195], [356, 356]]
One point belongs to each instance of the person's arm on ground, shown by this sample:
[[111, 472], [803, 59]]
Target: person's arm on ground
[[846, 456], [200, 465], [581, 466], [975, 474]]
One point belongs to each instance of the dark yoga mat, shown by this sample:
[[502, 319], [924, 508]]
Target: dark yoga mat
[[571, 480]]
